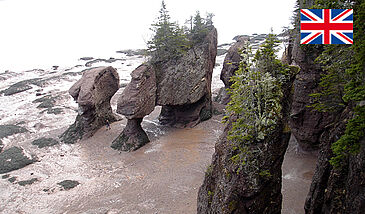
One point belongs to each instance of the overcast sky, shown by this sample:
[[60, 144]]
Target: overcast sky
[[46, 32]]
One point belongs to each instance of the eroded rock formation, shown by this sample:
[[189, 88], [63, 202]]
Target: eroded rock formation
[[252, 185], [232, 61], [92, 93], [230, 66], [181, 86], [184, 85], [137, 100]]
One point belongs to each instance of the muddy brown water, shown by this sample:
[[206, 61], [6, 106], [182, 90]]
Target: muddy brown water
[[161, 177]]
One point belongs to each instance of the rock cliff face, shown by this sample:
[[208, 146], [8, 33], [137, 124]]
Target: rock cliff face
[[92, 93], [231, 64], [226, 191], [307, 125], [137, 100], [333, 190], [184, 85], [256, 188], [337, 190]]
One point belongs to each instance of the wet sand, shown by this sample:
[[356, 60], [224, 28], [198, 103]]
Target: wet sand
[[161, 177]]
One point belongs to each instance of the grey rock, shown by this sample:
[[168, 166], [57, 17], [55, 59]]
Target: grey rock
[[8, 130], [27, 182], [21, 86]]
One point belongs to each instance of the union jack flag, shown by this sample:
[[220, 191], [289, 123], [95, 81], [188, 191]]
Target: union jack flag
[[326, 26]]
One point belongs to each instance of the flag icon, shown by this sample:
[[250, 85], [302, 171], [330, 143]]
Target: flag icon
[[326, 26]]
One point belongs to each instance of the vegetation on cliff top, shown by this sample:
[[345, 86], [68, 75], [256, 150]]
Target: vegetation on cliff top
[[170, 41]]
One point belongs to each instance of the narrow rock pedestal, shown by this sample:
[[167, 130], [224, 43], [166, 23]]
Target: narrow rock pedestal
[[132, 138], [137, 100]]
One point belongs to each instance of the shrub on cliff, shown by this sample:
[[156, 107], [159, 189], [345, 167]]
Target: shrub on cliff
[[255, 98]]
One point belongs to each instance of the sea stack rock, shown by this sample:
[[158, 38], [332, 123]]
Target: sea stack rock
[[248, 179], [137, 100], [92, 93], [230, 66], [184, 85]]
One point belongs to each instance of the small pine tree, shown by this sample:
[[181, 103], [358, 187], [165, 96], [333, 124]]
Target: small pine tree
[[265, 58], [169, 40], [209, 20], [200, 27]]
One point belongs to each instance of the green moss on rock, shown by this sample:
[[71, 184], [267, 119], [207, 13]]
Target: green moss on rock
[[45, 142], [12, 179], [68, 184], [74, 132], [8, 130], [27, 182], [132, 143], [13, 159], [20, 86]]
